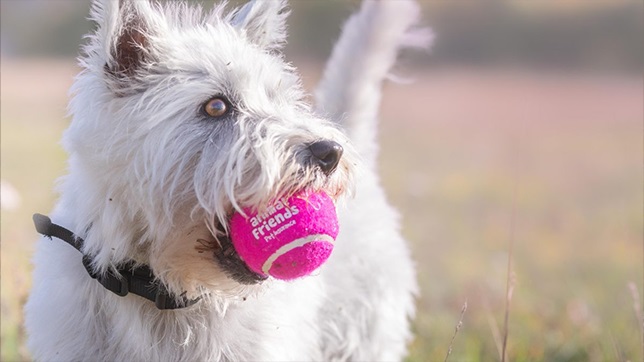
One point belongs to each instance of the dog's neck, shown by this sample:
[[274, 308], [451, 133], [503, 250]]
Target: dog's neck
[[127, 278]]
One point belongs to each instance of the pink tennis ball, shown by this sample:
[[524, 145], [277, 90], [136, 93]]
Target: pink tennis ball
[[291, 239]]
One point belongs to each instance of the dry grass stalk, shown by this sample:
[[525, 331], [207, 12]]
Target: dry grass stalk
[[637, 306], [511, 281], [510, 277], [494, 327], [619, 356], [456, 329]]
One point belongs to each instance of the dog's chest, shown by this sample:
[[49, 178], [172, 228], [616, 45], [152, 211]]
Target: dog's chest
[[279, 325]]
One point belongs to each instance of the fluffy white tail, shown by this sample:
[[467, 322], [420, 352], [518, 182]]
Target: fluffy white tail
[[350, 89]]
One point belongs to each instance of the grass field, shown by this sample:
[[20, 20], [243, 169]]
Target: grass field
[[462, 149]]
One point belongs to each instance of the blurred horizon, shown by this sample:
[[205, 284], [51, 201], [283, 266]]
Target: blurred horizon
[[577, 35]]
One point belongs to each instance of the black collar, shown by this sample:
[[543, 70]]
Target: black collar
[[128, 279]]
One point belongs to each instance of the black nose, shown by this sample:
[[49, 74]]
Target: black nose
[[326, 155]]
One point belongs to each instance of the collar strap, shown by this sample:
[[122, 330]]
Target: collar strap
[[127, 279]]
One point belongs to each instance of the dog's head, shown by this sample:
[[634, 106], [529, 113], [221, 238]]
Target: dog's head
[[179, 119]]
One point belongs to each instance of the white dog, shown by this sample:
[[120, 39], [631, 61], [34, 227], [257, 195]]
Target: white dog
[[181, 118]]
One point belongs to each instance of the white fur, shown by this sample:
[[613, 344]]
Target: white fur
[[361, 59], [149, 176]]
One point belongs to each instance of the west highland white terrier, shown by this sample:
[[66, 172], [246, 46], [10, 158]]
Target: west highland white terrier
[[182, 118]]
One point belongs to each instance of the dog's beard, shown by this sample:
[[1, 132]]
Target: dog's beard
[[222, 246], [201, 259], [257, 184], [230, 261]]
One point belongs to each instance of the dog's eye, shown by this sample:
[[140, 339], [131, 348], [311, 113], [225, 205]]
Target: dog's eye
[[216, 107]]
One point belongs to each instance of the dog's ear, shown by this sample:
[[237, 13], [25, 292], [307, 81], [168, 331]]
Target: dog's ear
[[263, 22], [123, 34]]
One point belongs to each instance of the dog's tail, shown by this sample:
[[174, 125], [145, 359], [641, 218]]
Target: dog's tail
[[350, 89]]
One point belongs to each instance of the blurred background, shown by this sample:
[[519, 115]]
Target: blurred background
[[523, 125]]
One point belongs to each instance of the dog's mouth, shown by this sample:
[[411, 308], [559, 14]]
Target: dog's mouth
[[232, 263]]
